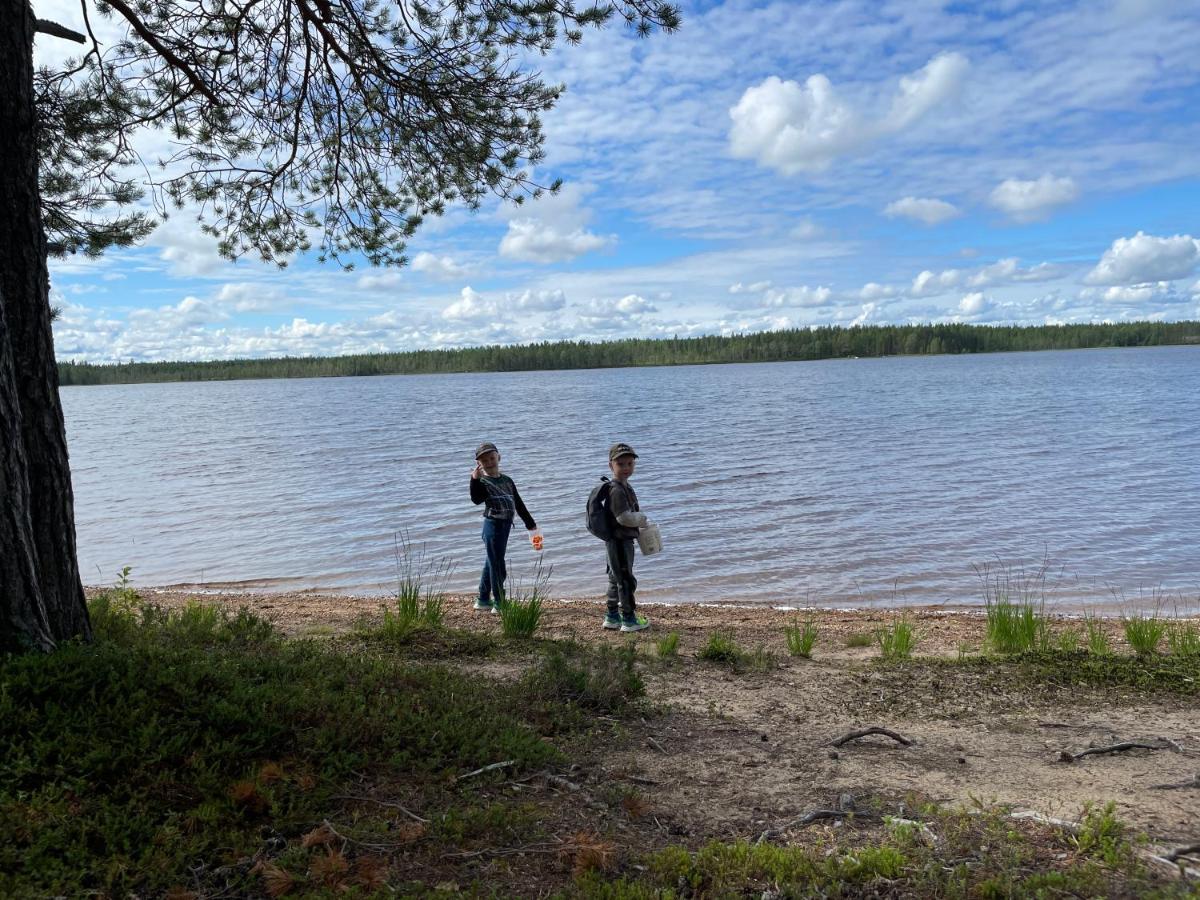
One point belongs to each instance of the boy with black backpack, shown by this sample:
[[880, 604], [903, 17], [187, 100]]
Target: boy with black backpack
[[614, 516]]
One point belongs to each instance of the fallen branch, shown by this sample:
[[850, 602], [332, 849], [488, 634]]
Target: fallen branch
[[656, 745], [1193, 782], [390, 805], [864, 732], [1068, 756], [1180, 852], [491, 768]]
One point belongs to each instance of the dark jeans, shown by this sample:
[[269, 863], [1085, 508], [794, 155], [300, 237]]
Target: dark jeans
[[495, 542], [621, 583]]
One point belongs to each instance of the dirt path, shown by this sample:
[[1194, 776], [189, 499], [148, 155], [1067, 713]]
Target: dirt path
[[736, 752]]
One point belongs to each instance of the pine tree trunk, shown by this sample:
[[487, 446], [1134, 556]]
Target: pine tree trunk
[[38, 528]]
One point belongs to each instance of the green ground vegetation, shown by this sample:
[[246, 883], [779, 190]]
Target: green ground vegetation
[[828, 342], [198, 752]]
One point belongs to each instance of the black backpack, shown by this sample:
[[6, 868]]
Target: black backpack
[[599, 518]]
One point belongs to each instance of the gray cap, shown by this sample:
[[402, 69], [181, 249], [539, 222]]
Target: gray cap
[[485, 447], [618, 450]]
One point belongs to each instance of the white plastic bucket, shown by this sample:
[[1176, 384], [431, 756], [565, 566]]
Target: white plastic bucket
[[649, 539]]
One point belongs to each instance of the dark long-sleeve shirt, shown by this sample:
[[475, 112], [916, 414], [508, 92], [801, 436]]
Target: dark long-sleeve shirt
[[501, 499], [623, 503]]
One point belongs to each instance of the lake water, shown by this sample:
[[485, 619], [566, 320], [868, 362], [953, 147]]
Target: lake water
[[846, 482]]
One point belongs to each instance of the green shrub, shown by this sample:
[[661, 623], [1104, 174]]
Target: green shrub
[[721, 648], [801, 638], [173, 742], [897, 640], [606, 679], [1144, 633], [668, 646]]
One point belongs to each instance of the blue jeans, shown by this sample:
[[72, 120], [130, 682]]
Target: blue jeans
[[495, 542]]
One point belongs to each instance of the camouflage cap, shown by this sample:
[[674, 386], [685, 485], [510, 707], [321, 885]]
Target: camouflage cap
[[485, 447], [619, 450]]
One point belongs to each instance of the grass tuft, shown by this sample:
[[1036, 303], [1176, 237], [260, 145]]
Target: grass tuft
[[860, 639], [1183, 639], [1098, 643], [521, 612], [801, 638], [668, 645], [897, 641], [721, 648], [1144, 633]]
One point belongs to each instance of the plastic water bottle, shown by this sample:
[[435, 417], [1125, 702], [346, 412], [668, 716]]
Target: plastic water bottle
[[535, 538]]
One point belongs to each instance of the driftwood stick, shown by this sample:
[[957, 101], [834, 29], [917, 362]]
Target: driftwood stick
[[1180, 852], [1068, 756], [864, 732], [1193, 782], [656, 745], [491, 768]]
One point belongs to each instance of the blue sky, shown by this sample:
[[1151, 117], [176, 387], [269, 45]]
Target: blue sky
[[770, 165]]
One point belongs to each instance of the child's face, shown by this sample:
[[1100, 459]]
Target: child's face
[[623, 466], [490, 461]]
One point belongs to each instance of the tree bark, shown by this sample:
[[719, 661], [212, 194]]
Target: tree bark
[[38, 528]]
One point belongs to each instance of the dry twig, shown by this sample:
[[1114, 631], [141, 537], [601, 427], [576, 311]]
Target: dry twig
[[1068, 756], [864, 732], [491, 768]]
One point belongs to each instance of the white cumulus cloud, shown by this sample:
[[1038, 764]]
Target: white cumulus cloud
[[1145, 258], [798, 296], [973, 304], [929, 284], [540, 301], [794, 128], [1028, 201], [442, 267], [471, 306], [532, 241], [923, 209]]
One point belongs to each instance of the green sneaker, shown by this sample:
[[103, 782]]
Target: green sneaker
[[611, 622], [483, 607], [637, 623]]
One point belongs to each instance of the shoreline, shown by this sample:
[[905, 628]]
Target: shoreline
[[1064, 611]]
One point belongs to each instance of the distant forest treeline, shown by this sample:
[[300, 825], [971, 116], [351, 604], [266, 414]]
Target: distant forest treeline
[[772, 346]]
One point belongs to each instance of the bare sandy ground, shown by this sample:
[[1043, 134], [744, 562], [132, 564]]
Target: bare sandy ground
[[735, 753]]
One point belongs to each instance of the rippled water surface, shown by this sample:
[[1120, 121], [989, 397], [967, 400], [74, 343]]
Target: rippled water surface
[[840, 482]]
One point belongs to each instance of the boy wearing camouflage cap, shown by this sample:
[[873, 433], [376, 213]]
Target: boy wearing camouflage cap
[[502, 503], [627, 519]]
